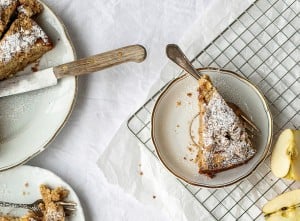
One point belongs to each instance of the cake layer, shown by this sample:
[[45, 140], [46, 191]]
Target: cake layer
[[23, 43]]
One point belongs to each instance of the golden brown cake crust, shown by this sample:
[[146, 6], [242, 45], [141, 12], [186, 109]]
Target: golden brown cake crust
[[223, 140], [206, 91]]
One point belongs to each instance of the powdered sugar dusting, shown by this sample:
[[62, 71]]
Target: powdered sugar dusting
[[21, 9], [6, 3], [20, 42], [225, 134], [54, 215]]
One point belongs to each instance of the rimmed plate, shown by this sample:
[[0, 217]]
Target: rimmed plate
[[21, 185], [174, 129], [28, 122]]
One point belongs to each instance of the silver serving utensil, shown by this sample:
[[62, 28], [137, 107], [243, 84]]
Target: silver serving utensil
[[178, 57]]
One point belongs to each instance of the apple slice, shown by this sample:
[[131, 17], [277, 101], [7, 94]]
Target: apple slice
[[294, 173], [281, 158], [285, 205]]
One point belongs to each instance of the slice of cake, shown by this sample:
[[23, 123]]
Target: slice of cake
[[7, 10], [51, 210], [223, 139], [23, 43]]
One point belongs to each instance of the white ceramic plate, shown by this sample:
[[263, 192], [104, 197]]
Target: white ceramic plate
[[28, 122], [173, 116], [21, 185]]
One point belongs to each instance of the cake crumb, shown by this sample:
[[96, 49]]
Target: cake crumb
[[191, 160], [26, 184], [154, 197], [178, 103], [34, 69], [189, 94], [177, 125], [35, 66], [184, 158], [24, 193], [141, 173]]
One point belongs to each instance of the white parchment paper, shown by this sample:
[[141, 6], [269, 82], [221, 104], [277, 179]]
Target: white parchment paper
[[128, 164]]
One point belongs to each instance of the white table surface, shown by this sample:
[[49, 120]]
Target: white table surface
[[107, 99]]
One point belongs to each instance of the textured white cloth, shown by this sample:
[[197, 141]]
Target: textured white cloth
[[95, 153]]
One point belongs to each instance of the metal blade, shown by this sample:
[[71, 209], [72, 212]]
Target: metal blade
[[29, 82]]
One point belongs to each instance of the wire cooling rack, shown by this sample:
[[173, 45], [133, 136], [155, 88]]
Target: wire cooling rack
[[262, 44]]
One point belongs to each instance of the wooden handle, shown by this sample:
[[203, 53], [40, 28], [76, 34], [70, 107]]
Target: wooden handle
[[134, 53]]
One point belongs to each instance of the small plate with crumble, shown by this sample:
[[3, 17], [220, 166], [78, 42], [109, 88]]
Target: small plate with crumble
[[26, 184], [198, 134], [32, 38]]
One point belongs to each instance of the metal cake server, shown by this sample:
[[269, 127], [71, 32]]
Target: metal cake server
[[49, 77]]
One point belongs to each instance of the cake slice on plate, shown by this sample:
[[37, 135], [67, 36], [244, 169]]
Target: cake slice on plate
[[50, 208], [23, 43], [7, 10], [223, 139]]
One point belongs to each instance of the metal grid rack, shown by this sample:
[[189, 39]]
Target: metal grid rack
[[262, 44]]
